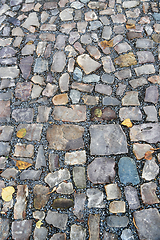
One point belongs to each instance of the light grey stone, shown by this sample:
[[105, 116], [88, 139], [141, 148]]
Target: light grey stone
[[79, 177], [95, 198], [23, 114], [132, 197], [79, 203], [77, 232], [57, 177], [150, 170], [58, 220], [151, 113], [40, 233], [30, 175]]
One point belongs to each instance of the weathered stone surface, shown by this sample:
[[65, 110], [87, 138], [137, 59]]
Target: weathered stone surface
[[58, 220], [41, 196], [130, 98], [82, 87], [107, 139], [40, 233], [95, 198], [64, 82], [154, 79], [122, 47], [53, 161], [109, 236], [21, 229], [101, 170], [93, 224], [91, 78], [140, 150], [65, 137], [148, 193], [2, 165], [57, 177], [62, 203], [133, 113], [6, 133], [33, 131], [117, 207], [77, 232], [145, 69], [151, 94], [5, 111], [79, 177], [43, 113], [23, 115], [87, 63], [74, 113], [9, 173], [90, 100], [126, 60], [112, 191], [151, 113], [58, 236], [40, 160], [127, 235], [25, 66], [24, 150], [30, 175], [150, 170], [127, 171], [148, 221], [99, 114], [39, 215], [50, 90], [60, 99], [4, 228], [65, 188], [21, 203], [148, 132], [59, 62], [132, 197], [23, 90], [79, 202], [117, 221], [145, 57], [4, 149], [9, 72], [77, 157], [108, 64]]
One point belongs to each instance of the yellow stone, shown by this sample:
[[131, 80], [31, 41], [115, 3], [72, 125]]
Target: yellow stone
[[126, 60], [127, 122], [7, 193], [21, 133]]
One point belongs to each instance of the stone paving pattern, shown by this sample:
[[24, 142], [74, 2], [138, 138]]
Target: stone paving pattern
[[79, 119]]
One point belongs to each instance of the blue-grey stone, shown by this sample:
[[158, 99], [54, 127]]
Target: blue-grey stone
[[117, 221], [77, 74], [156, 16], [91, 78], [128, 171], [110, 101], [107, 78], [40, 65], [14, 21], [127, 235]]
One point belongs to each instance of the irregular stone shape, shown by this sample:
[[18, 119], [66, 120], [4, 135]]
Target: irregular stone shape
[[150, 170], [91, 78], [101, 170], [77, 157], [79, 202], [82, 87], [7, 52], [95, 198], [25, 66], [2, 166], [107, 139], [132, 197], [87, 63], [5, 111], [90, 100], [109, 236], [127, 235], [110, 101], [28, 49], [119, 18], [59, 61], [21, 203], [65, 188], [112, 191], [77, 74], [145, 57], [107, 32], [62, 203], [53, 161], [156, 38], [65, 137], [40, 233], [148, 132], [24, 150], [148, 221], [117, 207], [4, 149], [93, 224], [30, 174], [145, 69], [99, 114], [23, 115], [151, 113], [93, 51], [151, 94], [36, 91], [128, 171], [6, 133], [41, 65], [154, 79], [126, 60], [75, 96], [104, 89], [4, 228], [40, 160], [122, 47], [108, 64], [64, 82], [50, 90], [144, 43], [58, 236], [33, 131], [60, 99], [9, 72], [148, 193], [43, 113], [40, 215], [57, 177], [117, 221], [58, 220], [133, 113], [23, 90], [41, 196], [130, 98], [79, 177], [123, 74], [77, 232], [21, 229], [9, 173], [74, 113], [140, 150], [66, 14], [90, 16]]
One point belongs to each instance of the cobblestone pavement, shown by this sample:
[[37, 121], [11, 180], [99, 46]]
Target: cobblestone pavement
[[79, 119]]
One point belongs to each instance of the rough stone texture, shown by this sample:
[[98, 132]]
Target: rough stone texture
[[79, 177], [21, 229], [21, 203], [77, 232], [95, 198], [77, 157], [93, 223], [132, 197], [57, 177], [87, 63], [150, 170], [58, 220], [148, 193], [79, 202], [117, 221], [133, 113], [107, 139], [112, 191], [41, 196], [4, 228]]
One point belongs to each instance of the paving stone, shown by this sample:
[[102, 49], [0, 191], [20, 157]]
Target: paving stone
[[79, 177], [21, 203], [9, 173], [148, 132], [152, 218], [93, 224], [58, 220], [2, 164], [151, 113], [65, 188], [109, 236], [141, 149], [108, 64], [57, 177], [154, 79], [123, 74], [59, 60], [126, 60], [40, 233], [21, 229], [79, 203], [23, 115], [77, 232], [23, 90], [91, 78], [77, 157], [4, 228], [107, 78], [93, 51], [33, 131], [59, 236], [9, 72], [115, 141], [122, 47], [117, 207], [66, 14], [132, 197], [43, 113], [99, 114], [145, 57], [148, 193], [64, 82], [95, 198], [25, 66], [112, 191], [128, 171], [127, 235], [62, 203], [90, 100], [110, 101], [4, 149], [50, 90], [39, 215], [150, 170], [121, 88], [41, 196], [30, 174], [40, 160], [117, 221], [82, 87], [65, 137], [101, 170], [36, 91], [53, 161], [151, 94], [133, 113], [138, 82], [87, 63], [145, 69], [144, 43], [6, 133], [130, 99]]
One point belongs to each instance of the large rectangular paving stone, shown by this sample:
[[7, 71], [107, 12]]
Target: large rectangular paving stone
[[107, 139]]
